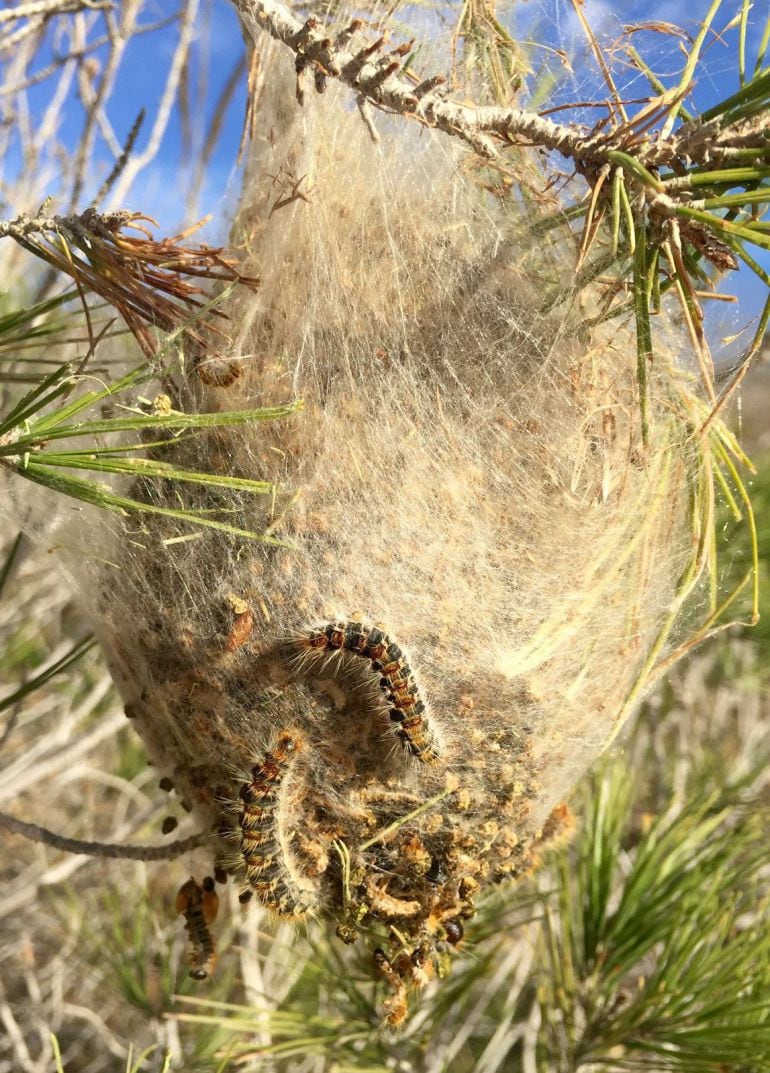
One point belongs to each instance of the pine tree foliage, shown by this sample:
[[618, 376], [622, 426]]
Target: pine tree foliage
[[643, 943]]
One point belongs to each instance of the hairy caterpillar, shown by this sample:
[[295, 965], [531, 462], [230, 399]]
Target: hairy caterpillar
[[396, 1007], [199, 905], [217, 373], [260, 840], [406, 708]]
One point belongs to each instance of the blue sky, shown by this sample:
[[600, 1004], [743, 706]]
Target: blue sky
[[161, 189]]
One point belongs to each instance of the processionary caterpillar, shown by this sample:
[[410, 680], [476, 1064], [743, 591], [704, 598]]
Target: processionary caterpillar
[[199, 906], [260, 842], [217, 372], [396, 1007], [406, 708]]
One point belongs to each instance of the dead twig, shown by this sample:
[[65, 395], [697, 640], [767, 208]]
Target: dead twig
[[141, 277], [102, 849]]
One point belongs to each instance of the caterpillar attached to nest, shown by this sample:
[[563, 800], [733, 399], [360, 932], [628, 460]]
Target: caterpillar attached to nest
[[396, 1007], [217, 373], [199, 904], [406, 707], [260, 838]]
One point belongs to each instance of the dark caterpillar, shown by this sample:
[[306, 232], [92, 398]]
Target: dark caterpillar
[[199, 906], [406, 708], [260, 842]]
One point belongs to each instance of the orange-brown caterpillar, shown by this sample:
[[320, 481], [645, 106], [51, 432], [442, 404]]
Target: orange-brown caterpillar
[[242, 623], [217, 372], [260, 840], [396, 1007], [406, 708], [199, 906]]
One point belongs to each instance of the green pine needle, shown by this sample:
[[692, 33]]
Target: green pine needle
[[35, 421], [77, 651]]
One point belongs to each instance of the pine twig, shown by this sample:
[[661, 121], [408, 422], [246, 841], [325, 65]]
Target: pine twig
[[376, 75], [102, 849], [142, 277]]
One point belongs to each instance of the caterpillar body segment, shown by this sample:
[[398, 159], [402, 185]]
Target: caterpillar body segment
[[396, 679], [199, 904]]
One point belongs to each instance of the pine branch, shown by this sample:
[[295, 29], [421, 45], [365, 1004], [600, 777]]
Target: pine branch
[[734, 131], [113, 850], [375, 75]]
